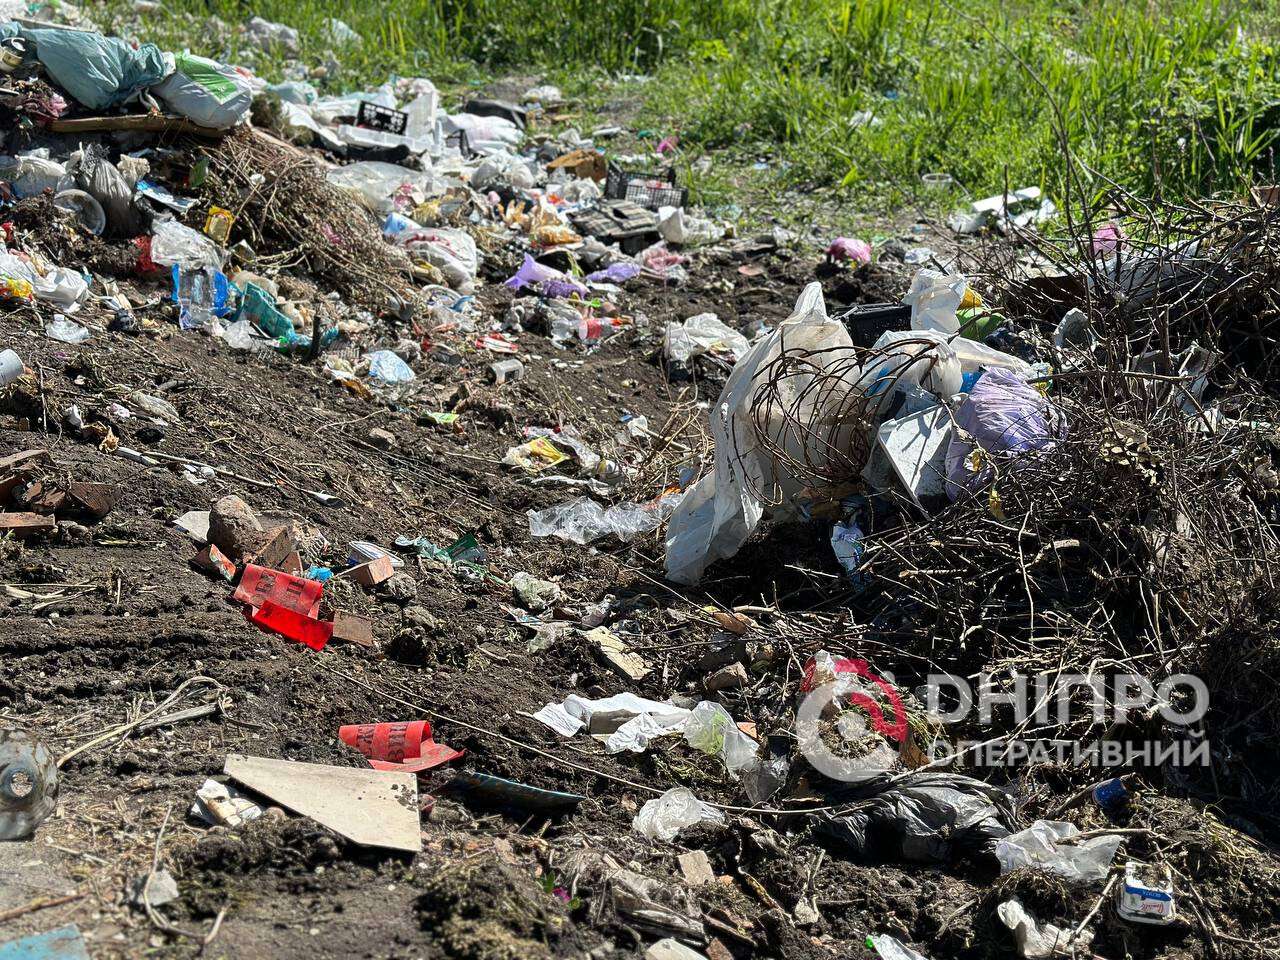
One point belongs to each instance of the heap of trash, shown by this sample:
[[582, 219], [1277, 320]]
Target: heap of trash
[[358, 424]]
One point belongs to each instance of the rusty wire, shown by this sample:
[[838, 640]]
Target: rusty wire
[[815, 412]]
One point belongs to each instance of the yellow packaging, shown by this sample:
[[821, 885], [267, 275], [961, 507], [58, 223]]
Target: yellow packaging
[[217, 224]]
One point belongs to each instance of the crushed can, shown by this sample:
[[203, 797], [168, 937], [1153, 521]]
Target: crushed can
[[13, 51], [1146, 896], [1111, 794]]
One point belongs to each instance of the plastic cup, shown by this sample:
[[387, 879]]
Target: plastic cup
[[10, 367]]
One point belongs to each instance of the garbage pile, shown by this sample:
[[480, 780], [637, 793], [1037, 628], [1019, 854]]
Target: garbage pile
[[398, 400]]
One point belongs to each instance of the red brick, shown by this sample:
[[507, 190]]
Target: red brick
[[352, 628], [373, 572], [23, 525]]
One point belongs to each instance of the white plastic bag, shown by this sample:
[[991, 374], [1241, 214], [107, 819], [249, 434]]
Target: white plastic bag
[[665, 816], [705, 333], [30, 174], [68, 331], [719, 512], [61, 286], [891, 948], [1037, 941], [629, 722], [934, 299], [676, 226], [937, 370], [1040, 846], [453, 252], [484, 134]]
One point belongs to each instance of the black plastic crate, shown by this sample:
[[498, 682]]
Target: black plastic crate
[[652, 190], [372, 116]]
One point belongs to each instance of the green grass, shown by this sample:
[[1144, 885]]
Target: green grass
[[1179, 96]]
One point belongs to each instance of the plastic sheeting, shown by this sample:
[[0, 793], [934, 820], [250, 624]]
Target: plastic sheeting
[[1041, 847], [375, 183], [174, 243], [931, 818], [583, 520]]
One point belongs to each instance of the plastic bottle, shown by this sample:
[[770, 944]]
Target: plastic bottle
[[505, 370], [587, 329], [201, 295]]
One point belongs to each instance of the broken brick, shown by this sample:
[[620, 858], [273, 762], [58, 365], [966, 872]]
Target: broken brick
[[23, 525], [277, 545], [40, 496], [95, 499], [351, 628], [373, 572], [14, 459]]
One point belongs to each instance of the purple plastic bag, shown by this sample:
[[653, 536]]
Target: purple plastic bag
[[615, 272], [547, 280], [1005, 415]]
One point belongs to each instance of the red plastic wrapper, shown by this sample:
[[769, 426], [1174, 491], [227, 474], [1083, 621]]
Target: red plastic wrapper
[[260, 585], [308, 630], [406, 746], [146, 266]]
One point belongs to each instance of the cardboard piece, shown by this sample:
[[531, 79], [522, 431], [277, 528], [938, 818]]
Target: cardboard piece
[[213, 561], [404, 746], [195, 524], [369, 807], [696, 867]]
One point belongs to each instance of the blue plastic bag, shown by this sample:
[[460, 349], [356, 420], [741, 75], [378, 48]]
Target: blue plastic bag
[[97, 71]]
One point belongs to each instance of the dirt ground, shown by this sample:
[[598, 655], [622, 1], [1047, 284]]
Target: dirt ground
[[142, 620]]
